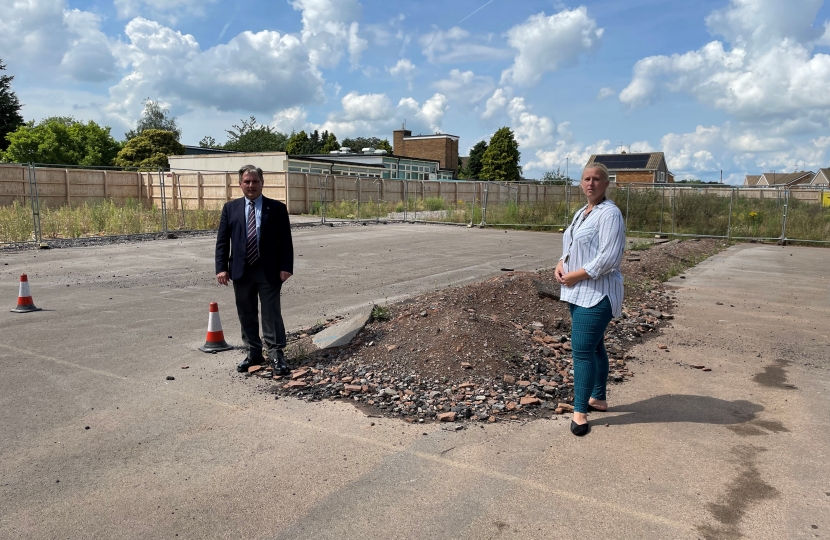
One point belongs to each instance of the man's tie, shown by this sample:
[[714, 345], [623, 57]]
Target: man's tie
[[251, 249]]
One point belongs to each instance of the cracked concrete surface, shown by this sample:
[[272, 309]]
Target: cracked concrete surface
[[738, 452]]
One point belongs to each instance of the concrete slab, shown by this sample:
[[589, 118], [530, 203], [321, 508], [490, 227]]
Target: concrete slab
[[741, 451], [342, 333]]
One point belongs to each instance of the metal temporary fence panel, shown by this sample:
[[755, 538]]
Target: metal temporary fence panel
[[804, 218], [698, 212], [760, 217]]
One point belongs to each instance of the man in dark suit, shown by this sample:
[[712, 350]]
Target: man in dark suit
[[254, 250]]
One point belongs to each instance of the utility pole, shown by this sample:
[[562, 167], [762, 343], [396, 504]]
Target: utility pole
[[567, 176], [721, 176]]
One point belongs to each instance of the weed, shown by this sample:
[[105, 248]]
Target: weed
[[380, 313]]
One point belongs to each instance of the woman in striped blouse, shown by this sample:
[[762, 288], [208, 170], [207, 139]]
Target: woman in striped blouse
[[592, 284]]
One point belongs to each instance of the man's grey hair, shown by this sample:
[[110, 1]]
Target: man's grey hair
[[603, 170], [251, 168]]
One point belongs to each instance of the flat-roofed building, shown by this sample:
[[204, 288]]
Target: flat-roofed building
[[373, 164], [440, 147]]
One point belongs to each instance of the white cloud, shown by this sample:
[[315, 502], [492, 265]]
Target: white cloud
[[253, 72], [170, 10], [606, 92], [288, 120], [362, 114], [403, 69], [762, 21], [825, 38], [532, 131], [465, 86], [455, 46], [821, 142], [59, 41], [329, 28], [497, 103], [565, 155], [546, 43], [430, 115], [374, 115], [770, 71], [692, 151]]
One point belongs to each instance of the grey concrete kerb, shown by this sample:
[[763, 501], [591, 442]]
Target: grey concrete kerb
[[342, 333]]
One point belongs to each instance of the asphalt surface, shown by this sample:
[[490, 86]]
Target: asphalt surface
[[741, 451]]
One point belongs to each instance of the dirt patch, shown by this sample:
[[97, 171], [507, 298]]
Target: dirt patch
[[489, 351]]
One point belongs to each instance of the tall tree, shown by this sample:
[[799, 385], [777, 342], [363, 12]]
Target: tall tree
[[250, 136], [154, 117], [62, 140], [330, 144], [10, 118], [473, 167], [500, 161], [356, 144], [556, 178], [297, 144], [384, 145], [149, 150]]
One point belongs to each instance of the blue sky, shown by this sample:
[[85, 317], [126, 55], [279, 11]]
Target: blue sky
[[737, 85]]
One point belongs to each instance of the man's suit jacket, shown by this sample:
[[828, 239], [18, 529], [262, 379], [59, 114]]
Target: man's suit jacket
[[276, 251]]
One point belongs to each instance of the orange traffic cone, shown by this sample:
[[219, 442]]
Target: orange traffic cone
[[215, 340], [25, 304]]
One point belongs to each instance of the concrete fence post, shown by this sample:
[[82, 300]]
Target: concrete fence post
[[307, 201], [163, 202], [66, 182], [380, 194], [200, 190], [333, 190], [320, 180]]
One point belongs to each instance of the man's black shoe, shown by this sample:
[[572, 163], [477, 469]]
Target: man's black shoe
[[243, 366], [278, 364]]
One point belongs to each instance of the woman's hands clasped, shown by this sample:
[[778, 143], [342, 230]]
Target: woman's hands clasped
[[569, 279]]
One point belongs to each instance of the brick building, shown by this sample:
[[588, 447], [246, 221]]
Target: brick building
[[439, 147], [639, 168]]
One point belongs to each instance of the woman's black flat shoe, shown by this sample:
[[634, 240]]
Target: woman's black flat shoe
[[580, 429]]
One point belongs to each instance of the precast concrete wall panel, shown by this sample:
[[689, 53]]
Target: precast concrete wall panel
[[13, 180]]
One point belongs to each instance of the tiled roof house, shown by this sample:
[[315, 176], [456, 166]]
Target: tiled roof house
[[643, 168], [786, 179], [822, 178]]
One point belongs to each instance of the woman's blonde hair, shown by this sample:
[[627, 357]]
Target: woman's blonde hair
[[602, 169]]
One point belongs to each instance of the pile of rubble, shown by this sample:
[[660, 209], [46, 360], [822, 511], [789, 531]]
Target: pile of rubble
[[486, 352]]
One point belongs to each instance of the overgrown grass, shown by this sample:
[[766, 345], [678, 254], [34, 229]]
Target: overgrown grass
[[16, 223], [544, 215], [350, 209], [100, 219], [708, 214]]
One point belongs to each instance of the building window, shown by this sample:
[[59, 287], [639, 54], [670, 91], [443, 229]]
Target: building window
[[612, 178]]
